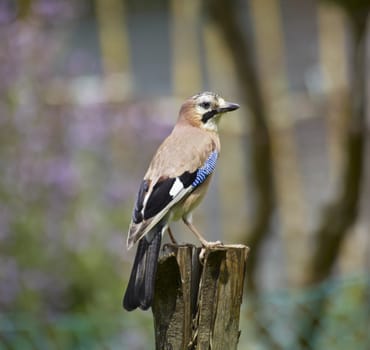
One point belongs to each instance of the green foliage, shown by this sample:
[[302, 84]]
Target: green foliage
[[345, 325], [274, 319]]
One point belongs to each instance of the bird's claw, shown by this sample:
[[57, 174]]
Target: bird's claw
[[207, 245]]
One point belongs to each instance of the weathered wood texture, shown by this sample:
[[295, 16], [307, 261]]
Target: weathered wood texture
[[197, 305]]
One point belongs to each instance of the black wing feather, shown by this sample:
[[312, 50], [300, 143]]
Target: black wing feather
[[159, 197], [188, 178], [137, 215]]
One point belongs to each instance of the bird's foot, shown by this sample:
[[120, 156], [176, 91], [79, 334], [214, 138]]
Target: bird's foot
[[207, 245], [215, 244]]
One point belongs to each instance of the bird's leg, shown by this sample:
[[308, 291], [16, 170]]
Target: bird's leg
[[205, 243], [172, 238]]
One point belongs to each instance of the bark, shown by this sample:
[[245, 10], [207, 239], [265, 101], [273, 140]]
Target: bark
[[197, 306]]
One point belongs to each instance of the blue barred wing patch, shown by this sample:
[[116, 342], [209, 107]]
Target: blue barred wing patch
[[206, 170]]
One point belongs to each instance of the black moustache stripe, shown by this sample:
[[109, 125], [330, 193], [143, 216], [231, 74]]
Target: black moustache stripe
[[209, 115]]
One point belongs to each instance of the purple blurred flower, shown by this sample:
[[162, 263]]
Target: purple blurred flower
[[88, 129], [144, 121], [10, 280], [56, 10], [8, 11], [61, 175], [119, 190]]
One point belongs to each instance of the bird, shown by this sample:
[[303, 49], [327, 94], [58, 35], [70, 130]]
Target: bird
[[174, 184]]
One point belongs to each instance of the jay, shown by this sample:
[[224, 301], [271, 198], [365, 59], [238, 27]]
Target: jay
[[174, 184]]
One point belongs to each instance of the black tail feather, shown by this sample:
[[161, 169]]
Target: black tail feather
[[140, 289]]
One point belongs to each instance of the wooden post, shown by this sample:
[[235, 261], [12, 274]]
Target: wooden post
[[197, 305]]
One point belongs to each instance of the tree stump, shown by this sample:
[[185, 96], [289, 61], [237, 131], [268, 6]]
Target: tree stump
[[197, 305]]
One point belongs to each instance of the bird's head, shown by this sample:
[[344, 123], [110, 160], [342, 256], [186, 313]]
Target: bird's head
[[205, 109]]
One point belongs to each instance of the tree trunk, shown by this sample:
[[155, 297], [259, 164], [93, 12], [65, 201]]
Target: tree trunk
[[197, 305], [225, 15]]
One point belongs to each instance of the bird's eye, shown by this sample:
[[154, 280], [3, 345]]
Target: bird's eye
[[205, 105]]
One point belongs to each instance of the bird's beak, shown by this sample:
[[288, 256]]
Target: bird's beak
[[228, 107]]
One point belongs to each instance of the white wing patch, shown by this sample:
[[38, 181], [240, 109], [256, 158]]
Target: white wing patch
[[176, 188], [153, 221]]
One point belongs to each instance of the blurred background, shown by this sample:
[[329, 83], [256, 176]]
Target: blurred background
[[90, 88]]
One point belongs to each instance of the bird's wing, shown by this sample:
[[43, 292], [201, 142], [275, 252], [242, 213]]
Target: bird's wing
[[175, 171]]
